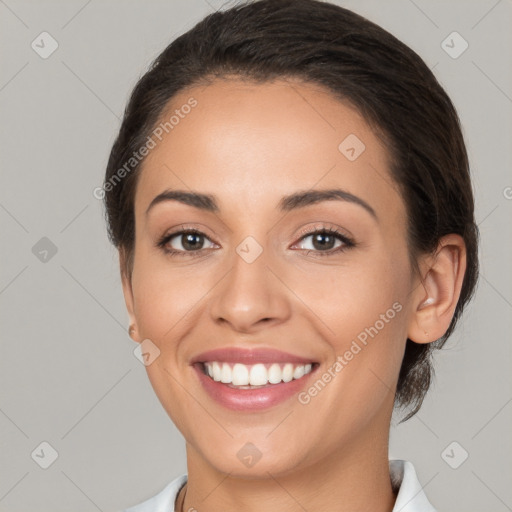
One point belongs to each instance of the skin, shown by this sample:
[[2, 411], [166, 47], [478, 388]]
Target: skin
[[250, 144]]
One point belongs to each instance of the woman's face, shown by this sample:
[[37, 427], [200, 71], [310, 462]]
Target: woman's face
[[256, 277]]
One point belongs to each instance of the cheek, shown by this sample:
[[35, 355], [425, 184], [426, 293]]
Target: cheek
[[164, 295], [352, 296], [166, 301], [362, 315]]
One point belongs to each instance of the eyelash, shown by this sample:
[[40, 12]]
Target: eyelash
[[348, 243]]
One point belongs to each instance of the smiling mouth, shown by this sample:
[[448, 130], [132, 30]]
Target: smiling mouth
[[260, 375]]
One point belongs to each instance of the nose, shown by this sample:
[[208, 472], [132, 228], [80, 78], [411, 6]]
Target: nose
[[250, 297]]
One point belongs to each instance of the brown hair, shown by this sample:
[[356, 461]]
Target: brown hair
[[360, 63]]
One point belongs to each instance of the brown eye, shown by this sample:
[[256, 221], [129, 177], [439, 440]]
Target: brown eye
[[185, 241], [191, 241], [324, 240]]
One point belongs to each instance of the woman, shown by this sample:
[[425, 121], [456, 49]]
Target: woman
[[291, 201]]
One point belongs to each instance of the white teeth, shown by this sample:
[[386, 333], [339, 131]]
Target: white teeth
[[255, 375], [225, 376], [298, 372], [258, 375], [216, 369], [288, 372], [240, 375], [275, 374]]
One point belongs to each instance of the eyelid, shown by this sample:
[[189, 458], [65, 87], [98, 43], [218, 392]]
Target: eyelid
[[328, 227], [184, 228]]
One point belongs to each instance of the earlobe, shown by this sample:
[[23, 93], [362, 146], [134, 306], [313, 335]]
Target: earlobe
[[128, 297], [435, 300], [132, 332]]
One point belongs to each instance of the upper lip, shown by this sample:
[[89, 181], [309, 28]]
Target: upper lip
[[249, 356]]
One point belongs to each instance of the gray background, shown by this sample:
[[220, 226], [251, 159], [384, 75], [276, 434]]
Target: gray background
[[68, 373]]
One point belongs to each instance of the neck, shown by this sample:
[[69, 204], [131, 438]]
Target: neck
[[354, 477]]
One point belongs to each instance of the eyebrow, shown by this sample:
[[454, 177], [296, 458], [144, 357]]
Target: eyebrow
[[301, 199]]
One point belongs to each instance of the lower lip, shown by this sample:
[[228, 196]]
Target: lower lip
[[251, 399]]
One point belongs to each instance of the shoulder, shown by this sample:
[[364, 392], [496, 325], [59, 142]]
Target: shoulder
[[410, 494], [164, 500]]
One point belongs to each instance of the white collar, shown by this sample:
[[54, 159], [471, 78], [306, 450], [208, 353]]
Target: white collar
[[410, 498]]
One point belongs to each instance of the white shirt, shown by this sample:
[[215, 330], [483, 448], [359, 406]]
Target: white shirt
[[410, 498]]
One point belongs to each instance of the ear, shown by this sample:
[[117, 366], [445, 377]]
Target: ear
[[128, 295], [435, 300]]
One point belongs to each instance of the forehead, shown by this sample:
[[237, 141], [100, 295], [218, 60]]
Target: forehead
[[255, 143]]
